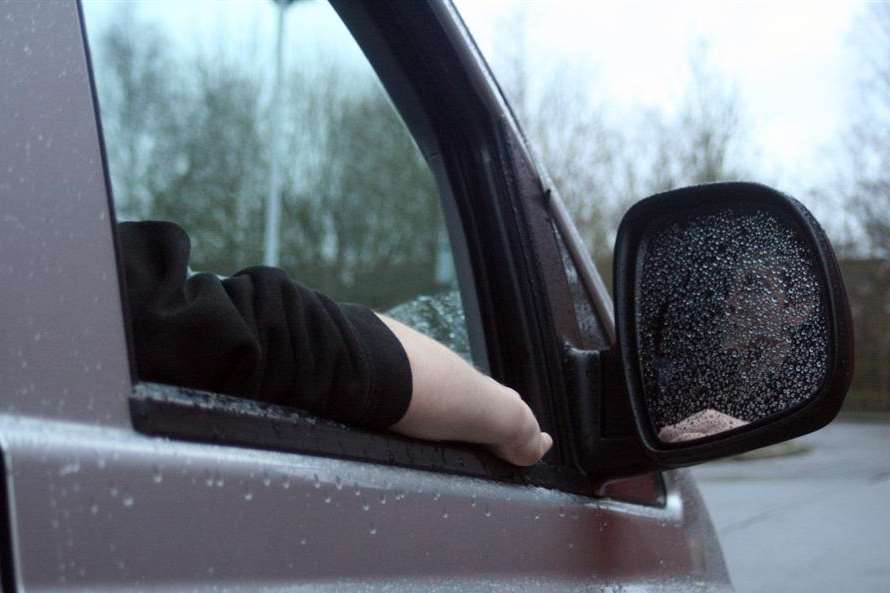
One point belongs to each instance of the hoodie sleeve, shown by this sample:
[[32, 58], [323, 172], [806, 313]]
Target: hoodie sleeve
[[257, 334]]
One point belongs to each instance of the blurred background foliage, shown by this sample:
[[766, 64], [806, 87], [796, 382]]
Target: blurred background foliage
[[361, 215], [188, 140]]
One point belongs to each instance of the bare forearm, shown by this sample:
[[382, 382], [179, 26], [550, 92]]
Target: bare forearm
[[451, 400]]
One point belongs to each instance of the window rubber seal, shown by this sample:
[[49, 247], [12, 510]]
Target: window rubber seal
[[204, 417]]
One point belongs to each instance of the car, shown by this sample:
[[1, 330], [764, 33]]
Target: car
[[117, 484]]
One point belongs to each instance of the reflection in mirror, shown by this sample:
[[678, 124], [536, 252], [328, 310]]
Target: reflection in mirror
[[733, 327]]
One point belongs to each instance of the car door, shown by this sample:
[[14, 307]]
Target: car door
[[112, 484]]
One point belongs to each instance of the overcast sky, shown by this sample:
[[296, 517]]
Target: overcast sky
[[789, 61]]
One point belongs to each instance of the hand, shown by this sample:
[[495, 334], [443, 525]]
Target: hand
[[699, 425], [452, 401]]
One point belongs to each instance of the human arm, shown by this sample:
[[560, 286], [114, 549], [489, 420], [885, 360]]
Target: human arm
[[260, 335], [257, 334], [452, 401]]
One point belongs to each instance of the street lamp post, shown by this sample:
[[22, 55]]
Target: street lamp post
[[273, 198]]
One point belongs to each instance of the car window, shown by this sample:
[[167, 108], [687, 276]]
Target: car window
[[313, 171]]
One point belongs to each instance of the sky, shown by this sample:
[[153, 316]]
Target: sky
[[790, 62]]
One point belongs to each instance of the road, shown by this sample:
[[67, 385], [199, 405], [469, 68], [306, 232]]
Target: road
[[817, 521]]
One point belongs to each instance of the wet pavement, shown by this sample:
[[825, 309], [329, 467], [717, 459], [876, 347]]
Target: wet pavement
[[808, 522]]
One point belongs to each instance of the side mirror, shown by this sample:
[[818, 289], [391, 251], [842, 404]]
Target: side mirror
[[733, 325]]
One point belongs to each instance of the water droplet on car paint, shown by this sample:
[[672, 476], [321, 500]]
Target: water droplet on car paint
[[70, 468], [248, 496], [372, 530], [127, 501]]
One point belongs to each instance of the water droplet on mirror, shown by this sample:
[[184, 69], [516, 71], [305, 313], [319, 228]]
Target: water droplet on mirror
[[735, 321]]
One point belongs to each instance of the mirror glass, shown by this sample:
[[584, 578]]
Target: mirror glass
[[732, 322]]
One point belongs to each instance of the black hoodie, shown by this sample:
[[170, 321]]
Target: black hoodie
[[257, 334]]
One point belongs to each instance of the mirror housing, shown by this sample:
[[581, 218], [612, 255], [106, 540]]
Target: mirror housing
[[634, 445]]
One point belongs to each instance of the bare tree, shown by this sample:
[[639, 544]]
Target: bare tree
[[135, 82], [367, 208], [865, 185], [868, 142], [568, 130], [697, 145], [189, 141], [600, 166]]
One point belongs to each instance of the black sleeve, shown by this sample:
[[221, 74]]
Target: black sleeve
[[257, 334]]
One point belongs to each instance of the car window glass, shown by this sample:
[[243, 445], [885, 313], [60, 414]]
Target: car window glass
[[199, 130]]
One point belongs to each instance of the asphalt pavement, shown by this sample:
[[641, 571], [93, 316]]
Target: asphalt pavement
[[814, 521]]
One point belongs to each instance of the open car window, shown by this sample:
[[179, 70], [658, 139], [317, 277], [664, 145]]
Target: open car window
[[290, 156], [313, 172]]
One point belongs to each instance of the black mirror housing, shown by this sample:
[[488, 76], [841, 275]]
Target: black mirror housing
[[703, 207]]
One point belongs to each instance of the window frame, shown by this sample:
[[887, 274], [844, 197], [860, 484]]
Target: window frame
[[496, 209]]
